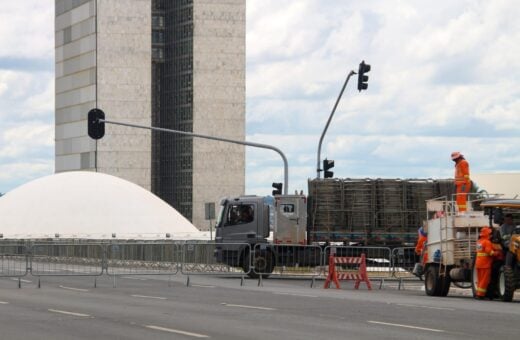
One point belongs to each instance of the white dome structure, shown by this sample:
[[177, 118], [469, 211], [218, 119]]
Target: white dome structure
[[82, 204]]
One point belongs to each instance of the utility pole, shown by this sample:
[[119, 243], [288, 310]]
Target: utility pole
[[362, 85], [318, 169]]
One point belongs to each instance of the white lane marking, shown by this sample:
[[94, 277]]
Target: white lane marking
[[202, 286], [407, 326], [176, 331], [244, 306], [76, 289], [150, 297], [68, 313], [133, 278], [419, 306], [22, 280], [4, 303], [292, 294]]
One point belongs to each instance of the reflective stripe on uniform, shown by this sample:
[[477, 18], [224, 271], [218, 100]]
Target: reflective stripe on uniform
[[483, 254], [482, 290]]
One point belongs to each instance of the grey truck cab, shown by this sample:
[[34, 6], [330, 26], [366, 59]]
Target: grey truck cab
[[243, 230]]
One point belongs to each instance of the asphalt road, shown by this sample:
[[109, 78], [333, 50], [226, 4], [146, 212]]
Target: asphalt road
[[220, 308]]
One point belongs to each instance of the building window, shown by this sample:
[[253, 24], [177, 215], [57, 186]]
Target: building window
[[157, 53], [157, 21], [157, 37]]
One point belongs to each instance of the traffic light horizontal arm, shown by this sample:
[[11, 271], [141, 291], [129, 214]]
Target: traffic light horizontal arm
[[191, 134]]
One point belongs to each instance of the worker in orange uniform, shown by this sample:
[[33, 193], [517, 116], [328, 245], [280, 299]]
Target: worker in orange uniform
[[484, 262], [462, 181], [420, 249]]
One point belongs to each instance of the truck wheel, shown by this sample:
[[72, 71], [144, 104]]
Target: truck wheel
[[263, 264], [506, 283], [246, 265], [432, 282], [493, 287], [445, 282]]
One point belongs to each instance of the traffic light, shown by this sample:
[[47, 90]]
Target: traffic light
[[96, 129], [362, 78], [278, 189], [328, 164]]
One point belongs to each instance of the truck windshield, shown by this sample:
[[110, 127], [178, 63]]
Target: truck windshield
[[220, 216]]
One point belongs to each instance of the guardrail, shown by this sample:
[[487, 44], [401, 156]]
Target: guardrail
[[216, 259], [295, 261], [195, 258], [403, 261], [137, 258], [14, 260], [66, 259]]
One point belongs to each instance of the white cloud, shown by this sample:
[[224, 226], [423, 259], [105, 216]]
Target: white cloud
[[25, 95], [42, 101], [24, 140], [26, 153], [282, 30], [15, 174], [27, 29], [381, 156], [444, 77]]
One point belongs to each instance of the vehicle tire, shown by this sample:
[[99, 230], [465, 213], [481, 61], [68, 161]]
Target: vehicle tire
[[263, 264], [432, 284], [246, 265], [493, 287], [445, 283], [506, 283]]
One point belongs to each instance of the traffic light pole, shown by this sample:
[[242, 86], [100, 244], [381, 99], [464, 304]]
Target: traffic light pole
[[318, 170], [191, 134]]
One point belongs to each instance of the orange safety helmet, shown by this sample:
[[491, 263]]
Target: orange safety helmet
[[455, 155], [485, 232]]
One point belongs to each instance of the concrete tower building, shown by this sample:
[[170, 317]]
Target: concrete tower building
[[177, 64]]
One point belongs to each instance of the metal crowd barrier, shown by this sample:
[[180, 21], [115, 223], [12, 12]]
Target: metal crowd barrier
[[214, 258], [67, 259], [13, 260], [403, 261], [138, 258], [295, 261], [379, 259], [194, 258]]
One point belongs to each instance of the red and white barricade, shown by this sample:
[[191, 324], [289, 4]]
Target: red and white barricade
[[359, 276]]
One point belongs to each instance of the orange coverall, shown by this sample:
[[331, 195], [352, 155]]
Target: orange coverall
[[462, 183], [420, 248], [484, 261]]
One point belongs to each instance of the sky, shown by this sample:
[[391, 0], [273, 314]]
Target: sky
[[445, 77]]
